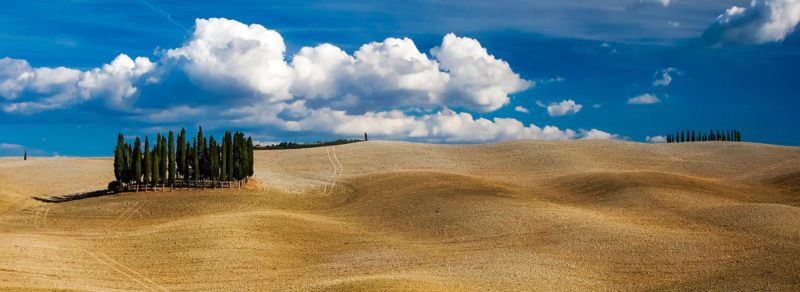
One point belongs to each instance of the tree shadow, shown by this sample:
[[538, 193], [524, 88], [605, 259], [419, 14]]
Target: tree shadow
[[73, 197]]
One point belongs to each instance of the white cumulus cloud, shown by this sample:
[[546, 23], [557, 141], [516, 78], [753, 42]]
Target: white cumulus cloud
[[240, 75], [656, 139], [646, 98], [478, 80], [664, 77], [762, 22], [563, 108], [641, 3], [225, 52], [522, 109], [52, 88]]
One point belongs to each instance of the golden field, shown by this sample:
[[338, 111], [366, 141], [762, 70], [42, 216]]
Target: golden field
[[523, 215]]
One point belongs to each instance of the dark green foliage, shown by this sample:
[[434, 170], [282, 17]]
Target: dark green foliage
[[213, 159], [230, 160], [115, 187], [156, 155], [250, 157], [698, 136], [25, 155], [171, 159], [119, 160], [181, 152], [292, 145], [223, 175], [137, 161], [195, 162], [229, 154]]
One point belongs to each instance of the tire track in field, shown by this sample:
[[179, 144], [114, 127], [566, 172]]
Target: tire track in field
[[328, 188], [340, 169], [126, 271]]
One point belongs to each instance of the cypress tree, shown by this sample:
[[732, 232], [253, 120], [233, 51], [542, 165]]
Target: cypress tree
[[119, 153], [199, 151], [229, 139], [223, 171], [155, 156], [250, 157], [683, 138], [171, 151], [163, 159], [182, 153], [148, 163], [137, 162], [127, 165], [188, 153], [195, 163], [213, 155]]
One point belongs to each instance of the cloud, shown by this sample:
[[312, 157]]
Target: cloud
[[595, 134], [226, 53], [646, 98], [665, 78], [9, 146], [31, 90], [556, 79], [521, 109], [565, 107], [763, 21], [234, 74], [675, 24], [641, 3], [478, 80], [656, 139]]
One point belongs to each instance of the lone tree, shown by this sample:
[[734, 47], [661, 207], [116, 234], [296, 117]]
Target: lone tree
[[25, 155], [365, 137]]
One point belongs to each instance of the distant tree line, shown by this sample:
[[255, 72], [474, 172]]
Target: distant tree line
[[712, 135], [292, 145], [203, 163]]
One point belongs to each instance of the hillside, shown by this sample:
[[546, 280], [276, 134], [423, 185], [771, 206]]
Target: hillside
[[578, 215]]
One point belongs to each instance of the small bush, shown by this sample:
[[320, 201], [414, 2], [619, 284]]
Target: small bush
[[114, 187]]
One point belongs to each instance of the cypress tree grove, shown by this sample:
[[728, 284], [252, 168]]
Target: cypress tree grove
[[171, 151], [184, 164]]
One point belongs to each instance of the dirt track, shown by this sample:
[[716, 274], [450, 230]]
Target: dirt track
[[582, 215]]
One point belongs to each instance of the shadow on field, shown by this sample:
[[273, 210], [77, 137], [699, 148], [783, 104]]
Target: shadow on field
[[73, 197]]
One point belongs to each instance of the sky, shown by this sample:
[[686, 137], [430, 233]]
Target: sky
[[75, 73]]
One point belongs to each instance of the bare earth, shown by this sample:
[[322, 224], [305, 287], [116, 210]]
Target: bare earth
[[582, 215]]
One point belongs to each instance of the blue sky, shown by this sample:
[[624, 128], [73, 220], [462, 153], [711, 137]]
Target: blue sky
[[428, 71]]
